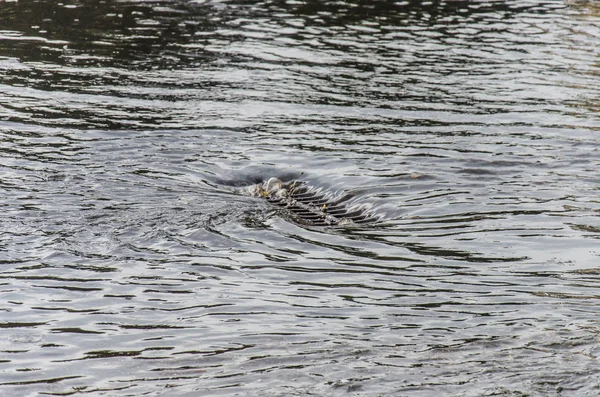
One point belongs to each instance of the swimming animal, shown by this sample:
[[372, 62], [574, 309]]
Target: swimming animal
[[309, 205]]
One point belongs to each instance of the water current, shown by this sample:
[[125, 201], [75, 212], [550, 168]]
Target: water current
[[133, 264]]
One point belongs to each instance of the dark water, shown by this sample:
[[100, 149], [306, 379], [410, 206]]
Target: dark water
[[131, 264]]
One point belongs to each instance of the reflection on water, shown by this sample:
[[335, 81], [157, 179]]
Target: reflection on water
[[133, 265]]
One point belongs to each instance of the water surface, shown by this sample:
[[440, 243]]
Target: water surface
[[132, 264]]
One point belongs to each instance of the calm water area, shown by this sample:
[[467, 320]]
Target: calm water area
[[133, 264]]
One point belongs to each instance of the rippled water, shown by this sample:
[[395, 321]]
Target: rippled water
[[133, 264]]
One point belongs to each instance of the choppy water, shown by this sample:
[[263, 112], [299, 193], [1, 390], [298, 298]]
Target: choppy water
[[131, 264]]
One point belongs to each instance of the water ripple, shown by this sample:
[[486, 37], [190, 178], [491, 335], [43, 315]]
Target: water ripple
[[132, 262]]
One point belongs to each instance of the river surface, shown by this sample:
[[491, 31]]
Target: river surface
[[131, 262]]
